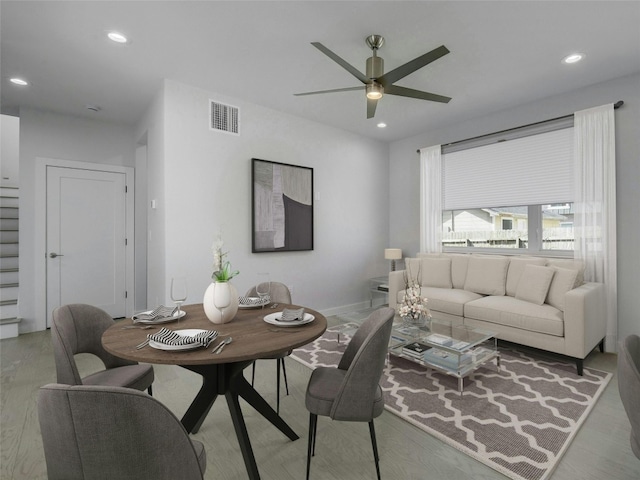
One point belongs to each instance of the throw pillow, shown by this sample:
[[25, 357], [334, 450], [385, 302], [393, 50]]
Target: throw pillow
[[534, 284], [436, 272], [516, 268], [486, 275], [563, 281]]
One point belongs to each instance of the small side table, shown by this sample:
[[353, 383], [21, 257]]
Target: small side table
[[378, 286]]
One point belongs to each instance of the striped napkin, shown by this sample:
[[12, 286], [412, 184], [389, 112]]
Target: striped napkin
[[251, 301], [156, 314], [169, 337], [292, 314]]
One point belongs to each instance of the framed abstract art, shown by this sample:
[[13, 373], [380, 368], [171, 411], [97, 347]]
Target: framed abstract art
[[282, 207]]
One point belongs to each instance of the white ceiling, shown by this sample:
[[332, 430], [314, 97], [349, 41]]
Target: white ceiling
[[503, 54]]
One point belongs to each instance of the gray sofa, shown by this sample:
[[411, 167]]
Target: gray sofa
[[534, 301]]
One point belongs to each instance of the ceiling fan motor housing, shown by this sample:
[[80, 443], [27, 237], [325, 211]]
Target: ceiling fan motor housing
[[375, 67]]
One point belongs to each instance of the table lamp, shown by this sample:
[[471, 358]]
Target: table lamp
[[393, 254]]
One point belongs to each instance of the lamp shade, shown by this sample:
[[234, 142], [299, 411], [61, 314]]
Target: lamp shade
[[393, 253]]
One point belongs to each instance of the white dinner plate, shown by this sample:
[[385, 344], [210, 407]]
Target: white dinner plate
[[254, 302], [157, 321], [187, 332], [273, 319]]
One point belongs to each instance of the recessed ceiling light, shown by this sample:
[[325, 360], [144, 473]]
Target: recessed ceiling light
[[382, 125], [573, 58], [117, 37], [19, 81]]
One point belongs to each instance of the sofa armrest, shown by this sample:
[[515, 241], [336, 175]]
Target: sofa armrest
[[585, 322], [396, 284]]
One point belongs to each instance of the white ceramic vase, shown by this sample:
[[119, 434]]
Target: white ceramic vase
[[220, 302]]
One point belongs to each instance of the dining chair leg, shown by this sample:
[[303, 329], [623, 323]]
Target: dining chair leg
[[311, 446], [150, 391], [278, 386], [284, 374], [374, 444], [253, 372]]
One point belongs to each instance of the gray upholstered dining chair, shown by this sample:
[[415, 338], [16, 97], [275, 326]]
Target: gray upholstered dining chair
[[351, 392], [78, 328], [279, 293], [629, 385], [95, 432]]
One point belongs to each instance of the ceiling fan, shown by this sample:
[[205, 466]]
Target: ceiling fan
[[376, 82]]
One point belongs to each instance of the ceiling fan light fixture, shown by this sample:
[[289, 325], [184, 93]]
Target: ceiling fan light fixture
[[374, 91]]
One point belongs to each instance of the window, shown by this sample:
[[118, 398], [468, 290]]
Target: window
[[511, 228], [499, 196]]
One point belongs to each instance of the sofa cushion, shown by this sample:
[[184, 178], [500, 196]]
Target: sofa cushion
[[435, 272], [459, 265], [487, 275], [516, 267], [447, 300], [412, 268], [563, 281], [569, 264], [516, 313], [534, 284]]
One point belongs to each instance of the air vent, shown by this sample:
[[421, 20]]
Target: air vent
[[224, 118]]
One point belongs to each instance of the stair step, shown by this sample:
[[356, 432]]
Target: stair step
[[9, 236], [9, 311], [10, 264], [8, 212], [9, 293], [8, 224], [9, 327], [9, 249], [10, 278]]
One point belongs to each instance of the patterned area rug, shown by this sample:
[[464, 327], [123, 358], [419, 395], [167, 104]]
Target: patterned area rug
[[519, 420]]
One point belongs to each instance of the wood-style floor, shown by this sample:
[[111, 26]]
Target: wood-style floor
[[600, 450]]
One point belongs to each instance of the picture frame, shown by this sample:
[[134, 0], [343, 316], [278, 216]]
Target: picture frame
[[281, 207]]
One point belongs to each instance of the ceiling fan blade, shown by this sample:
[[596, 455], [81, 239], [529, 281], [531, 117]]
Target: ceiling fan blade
[[348, 67], [371, 107], [410, 67], [348, 89], [410, 92]]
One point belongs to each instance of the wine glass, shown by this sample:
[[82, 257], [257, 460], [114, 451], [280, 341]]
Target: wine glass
[[178, 291], [263, 287]]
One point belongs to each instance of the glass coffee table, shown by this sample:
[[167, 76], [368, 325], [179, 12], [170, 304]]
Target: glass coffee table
[[456, 350]]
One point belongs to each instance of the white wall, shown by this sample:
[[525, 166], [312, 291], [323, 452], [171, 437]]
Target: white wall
[[9, 151], [207, 188], [48, 135], [405, 169]]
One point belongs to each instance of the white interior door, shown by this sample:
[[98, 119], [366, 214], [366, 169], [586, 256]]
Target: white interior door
[[86, 239]]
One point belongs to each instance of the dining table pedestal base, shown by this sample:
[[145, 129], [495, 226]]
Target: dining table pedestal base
[[227, 379]]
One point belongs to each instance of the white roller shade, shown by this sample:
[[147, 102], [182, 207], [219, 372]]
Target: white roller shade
[[532, 170]]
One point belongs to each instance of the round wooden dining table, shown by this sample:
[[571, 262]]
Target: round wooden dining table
[[253, 338]]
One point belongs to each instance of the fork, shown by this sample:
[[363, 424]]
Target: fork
[[143, 344]]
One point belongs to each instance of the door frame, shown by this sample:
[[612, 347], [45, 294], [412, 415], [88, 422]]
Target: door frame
[[40, 244]]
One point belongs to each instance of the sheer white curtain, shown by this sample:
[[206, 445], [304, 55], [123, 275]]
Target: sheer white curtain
[[431, 199], [595, 204]]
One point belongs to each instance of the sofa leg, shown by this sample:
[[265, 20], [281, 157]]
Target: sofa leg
[[579, 364], [601, 345]]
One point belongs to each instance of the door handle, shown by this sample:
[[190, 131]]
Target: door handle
[[54, 255]]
